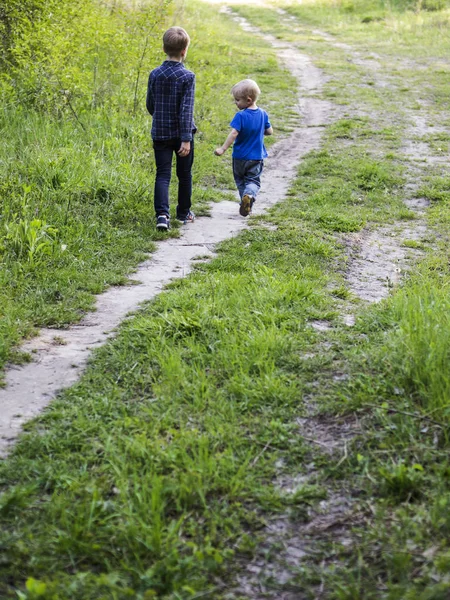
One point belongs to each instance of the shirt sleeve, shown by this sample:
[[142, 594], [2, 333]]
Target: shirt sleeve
[[267, 124], [236, 122], [187, 110], [150, 97]]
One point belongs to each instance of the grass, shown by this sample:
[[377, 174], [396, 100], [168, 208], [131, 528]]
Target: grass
[[157, 474], [166, 467], [77, 210]]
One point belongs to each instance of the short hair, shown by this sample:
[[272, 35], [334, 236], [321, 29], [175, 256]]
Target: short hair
[[247, 88], [175, 40]]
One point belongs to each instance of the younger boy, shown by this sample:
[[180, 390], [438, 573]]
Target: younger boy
[[170, 101], [249, 126]]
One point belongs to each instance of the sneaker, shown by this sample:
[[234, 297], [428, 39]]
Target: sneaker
[[189, 218], [162, 223], [245, 207]]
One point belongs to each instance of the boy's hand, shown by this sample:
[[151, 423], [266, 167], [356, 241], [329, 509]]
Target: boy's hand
[[185, 148], [227, 143]]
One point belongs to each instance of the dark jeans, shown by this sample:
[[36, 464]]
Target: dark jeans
[[247, 175], [164, 151]]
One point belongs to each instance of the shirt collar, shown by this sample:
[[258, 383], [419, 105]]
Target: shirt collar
[[173, 63]]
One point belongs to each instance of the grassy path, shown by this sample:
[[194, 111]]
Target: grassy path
[[239, 439], [59, 358], [381, 531], [76, 204]]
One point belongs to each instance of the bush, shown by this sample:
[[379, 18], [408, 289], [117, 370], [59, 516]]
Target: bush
[[73, 54]]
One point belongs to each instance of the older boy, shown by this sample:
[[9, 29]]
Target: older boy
[[249, 126], [170, 101]]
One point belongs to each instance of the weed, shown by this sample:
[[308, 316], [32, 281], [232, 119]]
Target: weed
[[402, 482], [30, 240]]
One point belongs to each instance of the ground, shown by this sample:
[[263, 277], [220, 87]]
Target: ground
[[275, 424]]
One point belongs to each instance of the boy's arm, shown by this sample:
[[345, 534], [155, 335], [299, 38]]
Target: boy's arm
[[150, 102], [267, 125], [187, 110], [228, 142]]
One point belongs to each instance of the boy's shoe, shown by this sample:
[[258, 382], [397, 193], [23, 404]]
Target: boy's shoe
[[245, 207], [189, 218], [162, 223]]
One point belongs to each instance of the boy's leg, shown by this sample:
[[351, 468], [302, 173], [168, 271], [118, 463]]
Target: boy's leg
[[253, 170], [163, 158], [252, 182], [239, 175], [184, 174]]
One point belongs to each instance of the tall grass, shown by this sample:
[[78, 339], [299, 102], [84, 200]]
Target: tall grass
[[416, 353], [422, 348], [410, 26]]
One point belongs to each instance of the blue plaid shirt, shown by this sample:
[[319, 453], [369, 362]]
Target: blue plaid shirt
[[170, 101]]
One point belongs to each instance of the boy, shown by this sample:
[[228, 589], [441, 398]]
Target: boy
[[170, 101], [249, 126]]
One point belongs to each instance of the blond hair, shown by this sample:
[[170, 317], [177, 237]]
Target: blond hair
[[247, 88], [175, 40]]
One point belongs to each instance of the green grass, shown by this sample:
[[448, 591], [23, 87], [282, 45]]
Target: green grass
[[152, 475], [152, 469], [77, 205], [398, 384], [156, 475]]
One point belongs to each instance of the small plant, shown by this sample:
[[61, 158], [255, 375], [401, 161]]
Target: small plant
[[402, 482], [371, 176], [440, 515], [30, 240], [412, 244], [340, 223], [432, 5]]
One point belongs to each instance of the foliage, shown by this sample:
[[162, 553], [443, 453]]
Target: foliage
[[29, 240], [63, 56], [358, 6], [370, 13], [16, 17], [76, 179]]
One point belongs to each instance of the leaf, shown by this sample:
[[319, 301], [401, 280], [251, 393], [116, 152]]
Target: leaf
[[36, 587]]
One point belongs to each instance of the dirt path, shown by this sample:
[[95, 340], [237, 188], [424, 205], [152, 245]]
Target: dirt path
[[378, 260], [59, 358]]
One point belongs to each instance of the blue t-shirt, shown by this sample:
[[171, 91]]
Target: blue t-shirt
[[251, 124]]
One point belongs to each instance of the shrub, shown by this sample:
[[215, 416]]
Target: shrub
[[73, 54]]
